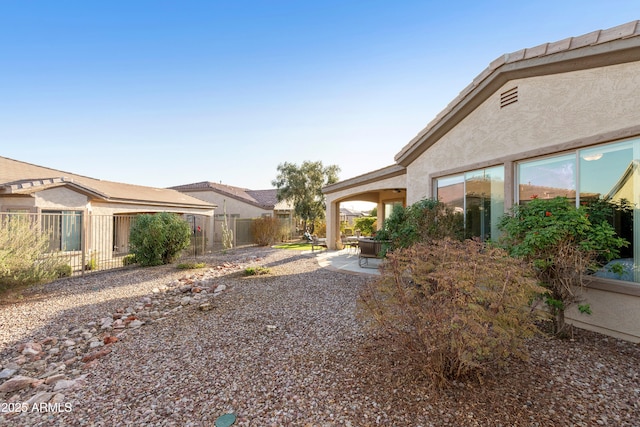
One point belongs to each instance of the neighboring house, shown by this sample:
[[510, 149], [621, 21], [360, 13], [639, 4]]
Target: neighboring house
[[561, 118], [348, 215], [87, 213], [240, 204]]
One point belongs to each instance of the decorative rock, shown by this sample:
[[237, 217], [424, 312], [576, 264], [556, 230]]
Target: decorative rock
[[109, 340], [136, 324], [57, 398], [7, 373], [106, 323], [95, 344], [54, 379], [69, 384], [16, 383], [49, 341], [205, 306], [37, 399], [96, 355]]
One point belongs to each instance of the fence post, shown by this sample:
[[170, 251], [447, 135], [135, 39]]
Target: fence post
[[83, 240]]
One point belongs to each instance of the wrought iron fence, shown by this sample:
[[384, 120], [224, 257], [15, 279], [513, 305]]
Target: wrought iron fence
[[89, 242]]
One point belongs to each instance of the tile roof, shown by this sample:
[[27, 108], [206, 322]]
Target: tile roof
[[264, 199], [18, 177], [565, 55]]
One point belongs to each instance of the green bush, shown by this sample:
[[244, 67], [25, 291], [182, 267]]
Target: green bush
[[562, 244], [63, 270], [423, 221], [456, 309], [92, 264], [129, 259], [191, 265], [24, 254], [266, 230], [366, 225], [256, 271], [157, 239]]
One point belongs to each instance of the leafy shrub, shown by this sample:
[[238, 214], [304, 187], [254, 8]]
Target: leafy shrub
[[191, 265], [92, 264], [266, 230], [563, 245], [63, 270], [129, 259], [423, 221], [256, 271], [455, 308], [159, 238], [366, 225], [24, 254]]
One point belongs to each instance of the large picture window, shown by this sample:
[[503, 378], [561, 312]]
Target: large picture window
[[64, 228], [479, 195], [605, 177]]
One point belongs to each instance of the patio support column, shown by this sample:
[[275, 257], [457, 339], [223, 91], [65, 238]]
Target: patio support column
[[333, 224]]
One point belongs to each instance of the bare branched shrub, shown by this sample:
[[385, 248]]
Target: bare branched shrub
[[456, 308], [24, 254], [266, 230]]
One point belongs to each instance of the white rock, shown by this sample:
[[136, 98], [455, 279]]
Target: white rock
[[41, 397], [70, 384], [29, 351], [136, 324], [7, 373]]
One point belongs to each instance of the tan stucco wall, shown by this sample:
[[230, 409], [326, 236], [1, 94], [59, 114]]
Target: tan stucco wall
[[551, 110], [234, 207], [376, 192], [612, 314], [61, 199]]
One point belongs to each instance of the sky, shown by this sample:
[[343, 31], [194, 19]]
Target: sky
[[163, 93]]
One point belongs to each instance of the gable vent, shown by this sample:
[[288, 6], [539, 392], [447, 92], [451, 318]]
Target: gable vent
[[509, 97]]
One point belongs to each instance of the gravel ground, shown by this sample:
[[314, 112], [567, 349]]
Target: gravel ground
[[283, 349]]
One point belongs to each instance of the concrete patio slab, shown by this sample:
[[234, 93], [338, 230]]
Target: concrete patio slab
[[345, 260]]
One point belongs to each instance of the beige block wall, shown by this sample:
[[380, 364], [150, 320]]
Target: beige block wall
[[550, 110]]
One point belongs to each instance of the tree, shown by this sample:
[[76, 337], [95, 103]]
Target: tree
[[302, 186]]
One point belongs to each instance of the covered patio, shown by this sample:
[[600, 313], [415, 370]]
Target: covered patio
[[385, 187]]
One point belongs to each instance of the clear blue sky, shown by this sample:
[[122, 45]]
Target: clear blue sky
[[164, 93]]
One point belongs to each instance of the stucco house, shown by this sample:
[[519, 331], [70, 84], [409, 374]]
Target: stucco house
[[241, 205], [88, 216], [558, 119]]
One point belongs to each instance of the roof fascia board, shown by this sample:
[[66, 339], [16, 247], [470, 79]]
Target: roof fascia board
[[152, 203], [612, 53], [377, 175]]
